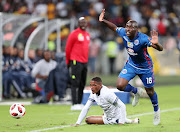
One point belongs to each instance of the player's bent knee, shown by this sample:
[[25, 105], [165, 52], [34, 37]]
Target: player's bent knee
[[87, 120], [120, 87]]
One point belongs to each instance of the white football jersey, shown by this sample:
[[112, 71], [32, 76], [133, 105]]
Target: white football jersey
[[107, 100]]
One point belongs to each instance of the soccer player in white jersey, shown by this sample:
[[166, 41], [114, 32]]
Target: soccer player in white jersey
[[114, 109]]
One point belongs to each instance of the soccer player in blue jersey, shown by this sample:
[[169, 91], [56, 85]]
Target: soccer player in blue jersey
[[139, 63]]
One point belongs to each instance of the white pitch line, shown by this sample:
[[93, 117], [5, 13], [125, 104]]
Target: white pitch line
[[149, 113]]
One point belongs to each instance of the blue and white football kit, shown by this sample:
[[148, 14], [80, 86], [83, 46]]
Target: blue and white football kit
[[140, 62]]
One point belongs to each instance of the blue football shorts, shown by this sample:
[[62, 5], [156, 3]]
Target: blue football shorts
[[146, 75]]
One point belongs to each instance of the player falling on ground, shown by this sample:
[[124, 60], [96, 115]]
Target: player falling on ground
[[114, 109], [139, 63]]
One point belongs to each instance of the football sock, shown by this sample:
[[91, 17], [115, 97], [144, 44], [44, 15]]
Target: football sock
[[154, 101], [130, 88]]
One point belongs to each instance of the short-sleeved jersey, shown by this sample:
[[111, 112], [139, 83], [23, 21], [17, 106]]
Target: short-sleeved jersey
[[137, 49], [107, 100]]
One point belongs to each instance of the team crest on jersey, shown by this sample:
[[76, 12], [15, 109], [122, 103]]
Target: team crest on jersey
[[124, 71], [130, 44], [80, 37], [136, 42]]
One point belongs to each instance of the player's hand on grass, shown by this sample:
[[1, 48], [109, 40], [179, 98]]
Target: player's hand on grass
[[154, 37], [75, 124], [101, 17]]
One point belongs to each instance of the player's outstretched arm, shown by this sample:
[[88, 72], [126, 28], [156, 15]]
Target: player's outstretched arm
[[154, 41], [106, 22], [84, 112]]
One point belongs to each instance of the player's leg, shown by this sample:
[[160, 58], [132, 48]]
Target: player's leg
[[123, 85], [149, 81], [94, 120], [154, 99], [75, 82], [123, 79], [132, 121], [82, 82]]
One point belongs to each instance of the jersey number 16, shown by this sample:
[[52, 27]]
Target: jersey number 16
[[149, 80]]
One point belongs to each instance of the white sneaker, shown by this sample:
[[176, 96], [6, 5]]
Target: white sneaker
[[136, 96], [77, 107], [72, 107], [156, 119], [136, 121]]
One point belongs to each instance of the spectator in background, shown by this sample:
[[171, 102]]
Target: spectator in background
[[51, 10], [94, 48], [77, 50], [40, 9], [6, 74], [161, 27], [31, 58], [22, 69], [57, 80], [38, 55], [112, 52], [61, 9], [153, 21], [41, 71]]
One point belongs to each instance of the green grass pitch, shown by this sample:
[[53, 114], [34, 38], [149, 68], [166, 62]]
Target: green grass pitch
[[40, 117]]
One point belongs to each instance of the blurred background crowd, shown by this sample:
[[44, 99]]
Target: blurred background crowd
[[161, 15]]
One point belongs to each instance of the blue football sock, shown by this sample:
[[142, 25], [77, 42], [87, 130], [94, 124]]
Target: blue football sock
[[154, 101], [130, 88]]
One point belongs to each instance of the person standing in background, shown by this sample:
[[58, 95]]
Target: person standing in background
[[77, 51], [112, 52], [94, 49]]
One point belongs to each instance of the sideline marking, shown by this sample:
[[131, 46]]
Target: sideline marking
[[149, 113]]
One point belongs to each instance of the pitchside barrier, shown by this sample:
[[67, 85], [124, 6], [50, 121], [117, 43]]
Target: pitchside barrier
[[125, 97]]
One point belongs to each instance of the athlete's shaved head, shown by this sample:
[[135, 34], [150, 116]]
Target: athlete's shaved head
[[131, 29], [133, 23]]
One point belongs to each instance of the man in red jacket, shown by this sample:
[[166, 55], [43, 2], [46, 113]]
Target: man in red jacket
[[77, 50]]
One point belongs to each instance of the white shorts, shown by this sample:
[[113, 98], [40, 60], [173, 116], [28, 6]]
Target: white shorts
[[112, 120]]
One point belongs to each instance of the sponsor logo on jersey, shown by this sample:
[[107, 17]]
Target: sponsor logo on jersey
[[130, 44], [80, 37], [131, 52], [136, 42], [124, 71]]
